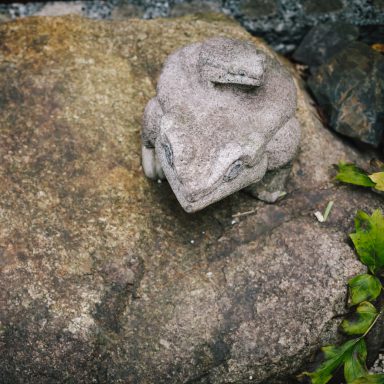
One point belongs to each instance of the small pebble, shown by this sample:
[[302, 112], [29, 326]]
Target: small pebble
[[164, 343]]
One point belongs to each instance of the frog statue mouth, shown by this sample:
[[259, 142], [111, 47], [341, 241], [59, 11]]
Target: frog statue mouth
[[241, 76], [202, 184]]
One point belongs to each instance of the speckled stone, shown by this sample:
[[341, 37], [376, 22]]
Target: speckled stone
[[103, 277], [183, 8], [258, 8], [324, 6], [282, 23]]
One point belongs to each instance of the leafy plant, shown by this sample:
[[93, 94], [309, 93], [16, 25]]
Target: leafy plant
[[351, 174], [364, 289], [359, 321], [369, 240], [369, 379]]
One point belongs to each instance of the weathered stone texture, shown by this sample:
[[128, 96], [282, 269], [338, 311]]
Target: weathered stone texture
[[324, 41], [104, 278], [325, 6], [282, 23], [350, 88]]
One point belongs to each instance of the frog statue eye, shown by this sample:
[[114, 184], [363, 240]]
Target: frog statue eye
[[168, 153], [234, 170]]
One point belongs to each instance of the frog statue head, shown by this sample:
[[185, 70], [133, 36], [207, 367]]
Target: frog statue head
[[222, 120]]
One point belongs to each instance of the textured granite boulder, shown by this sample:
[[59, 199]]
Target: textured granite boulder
[[104, 278], [350, 88], [222, 120], [324, 41]]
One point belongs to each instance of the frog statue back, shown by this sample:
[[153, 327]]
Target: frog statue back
[[222, 120]]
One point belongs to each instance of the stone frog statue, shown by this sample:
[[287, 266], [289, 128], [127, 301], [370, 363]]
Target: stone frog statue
[[222, 120]]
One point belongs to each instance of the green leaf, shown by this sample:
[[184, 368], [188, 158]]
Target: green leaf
[[369, 240], [378, 179], [349, 173], [360, 321], [370, 379], [354, 365], [363, 287], [333, 358]]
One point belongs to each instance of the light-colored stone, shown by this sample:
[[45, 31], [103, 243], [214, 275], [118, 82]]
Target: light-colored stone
[[104, 278], [56, 8], [222, 120]]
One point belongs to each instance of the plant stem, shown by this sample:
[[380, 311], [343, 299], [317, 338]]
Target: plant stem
[[373, 323]]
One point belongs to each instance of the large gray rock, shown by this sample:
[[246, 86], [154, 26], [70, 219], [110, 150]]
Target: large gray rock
[[104, 278], [350, 88]]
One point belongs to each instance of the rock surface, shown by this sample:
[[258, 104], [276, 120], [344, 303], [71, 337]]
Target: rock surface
[[104, 278], [283, 23], [372, 34], [324, 41], [350, 88]]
